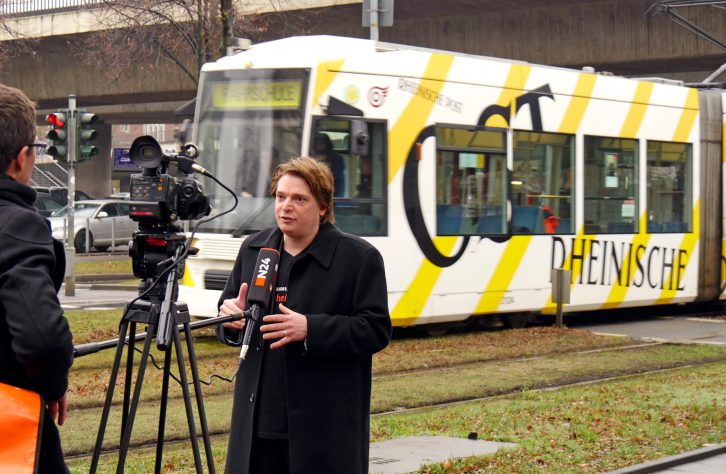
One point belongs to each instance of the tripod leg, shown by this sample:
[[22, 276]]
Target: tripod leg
[[198, 395], [109, 395], [187, 399], [123, 450], [128, 379], [162, 410]]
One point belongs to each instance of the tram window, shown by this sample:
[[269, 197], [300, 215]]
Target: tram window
[[360, 195], [542, 200], [670, 193], [471, 182], [611, 185]]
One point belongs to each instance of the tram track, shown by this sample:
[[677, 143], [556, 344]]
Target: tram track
[[172, 441], [389, 374]]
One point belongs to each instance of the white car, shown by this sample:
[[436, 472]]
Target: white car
[[107, 221]]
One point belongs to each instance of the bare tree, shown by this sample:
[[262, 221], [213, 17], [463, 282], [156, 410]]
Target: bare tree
[[17, 44], [140, 35]]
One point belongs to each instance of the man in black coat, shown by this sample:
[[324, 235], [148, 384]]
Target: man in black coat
[[36, 348], [302, 395]]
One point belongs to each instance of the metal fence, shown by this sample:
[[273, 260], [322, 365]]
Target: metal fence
[[40, 7]]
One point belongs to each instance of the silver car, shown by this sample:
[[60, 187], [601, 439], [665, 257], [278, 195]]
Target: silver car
[[107, 221]]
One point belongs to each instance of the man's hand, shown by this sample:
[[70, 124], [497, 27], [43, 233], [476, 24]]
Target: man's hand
[[58, 408], [235, 305], [288, 326]]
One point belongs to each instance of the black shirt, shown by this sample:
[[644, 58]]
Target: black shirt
[[272, 396]]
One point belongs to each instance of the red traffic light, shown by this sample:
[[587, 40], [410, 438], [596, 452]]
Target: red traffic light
[[56, 119]]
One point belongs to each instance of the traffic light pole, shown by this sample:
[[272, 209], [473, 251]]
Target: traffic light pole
[[70, 279]]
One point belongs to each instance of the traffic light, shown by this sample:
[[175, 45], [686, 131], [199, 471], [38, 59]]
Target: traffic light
[[86, 135], [58, 135]]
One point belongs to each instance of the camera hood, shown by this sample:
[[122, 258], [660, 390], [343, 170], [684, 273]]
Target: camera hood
[[146, 152]]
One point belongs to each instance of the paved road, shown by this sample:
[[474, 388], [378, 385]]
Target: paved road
[[666, 328], [87, 298]]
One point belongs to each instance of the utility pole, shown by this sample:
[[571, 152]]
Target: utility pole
[[70, 279]]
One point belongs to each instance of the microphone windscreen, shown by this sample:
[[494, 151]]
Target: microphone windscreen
[[263, 278]]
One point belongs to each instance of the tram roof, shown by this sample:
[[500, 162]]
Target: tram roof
[[310, 51]]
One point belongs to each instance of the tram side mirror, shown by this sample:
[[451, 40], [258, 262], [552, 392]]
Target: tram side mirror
[[360, 139]]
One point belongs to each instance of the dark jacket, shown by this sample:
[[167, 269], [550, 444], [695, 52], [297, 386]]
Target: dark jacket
[[36, 349], [340, 285]]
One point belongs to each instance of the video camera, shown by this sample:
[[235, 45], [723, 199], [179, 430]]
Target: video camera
[[158, 199]]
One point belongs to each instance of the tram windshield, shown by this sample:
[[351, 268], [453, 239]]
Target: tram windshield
[[248, 121]]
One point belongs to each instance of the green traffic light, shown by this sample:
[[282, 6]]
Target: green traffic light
[[89, 151]]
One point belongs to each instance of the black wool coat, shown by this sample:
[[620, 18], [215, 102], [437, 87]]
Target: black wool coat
[[36, 348], [340, 286]]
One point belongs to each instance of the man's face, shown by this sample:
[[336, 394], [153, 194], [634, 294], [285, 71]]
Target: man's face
[[297, 212]]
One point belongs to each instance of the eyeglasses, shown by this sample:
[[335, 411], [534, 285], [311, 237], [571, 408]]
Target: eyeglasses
[[40, 146]]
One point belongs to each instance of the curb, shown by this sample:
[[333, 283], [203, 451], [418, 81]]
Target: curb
[[109, 287], [106, 277], [671, 461]]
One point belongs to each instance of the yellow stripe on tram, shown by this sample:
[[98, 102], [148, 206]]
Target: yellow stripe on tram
[[413, 301], [578, 104], [570, 124], [513, 86], [687, 244], [682, 133], [688, 117], [400, 139], [416, 113], [503, 275], [630, 130], [619, 291], [516, 246], [326, 74], [637, 110]]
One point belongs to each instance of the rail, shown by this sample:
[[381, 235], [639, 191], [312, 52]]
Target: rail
[[43, 7]]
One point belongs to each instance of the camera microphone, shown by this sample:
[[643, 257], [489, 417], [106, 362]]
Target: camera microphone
[[258, 295]]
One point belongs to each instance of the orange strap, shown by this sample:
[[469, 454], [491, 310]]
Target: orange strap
[[20, 425]]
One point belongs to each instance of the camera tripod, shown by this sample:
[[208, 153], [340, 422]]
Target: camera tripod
[[163, 315]]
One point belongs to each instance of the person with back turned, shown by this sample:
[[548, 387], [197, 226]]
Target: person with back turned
[[36, 348], [302, 396]]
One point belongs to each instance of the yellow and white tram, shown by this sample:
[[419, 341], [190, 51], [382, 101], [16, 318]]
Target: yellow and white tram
[[473, 176]]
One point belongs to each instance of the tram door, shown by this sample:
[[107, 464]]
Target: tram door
[[355, 150]]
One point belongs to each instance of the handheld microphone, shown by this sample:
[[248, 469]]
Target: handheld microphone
[[258, 294]]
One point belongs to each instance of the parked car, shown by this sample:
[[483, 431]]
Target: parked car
[[107, 221], [60, 193], [46, 204]]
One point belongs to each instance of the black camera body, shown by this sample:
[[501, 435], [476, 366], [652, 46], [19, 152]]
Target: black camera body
[[158, 198], [163, 199], [158, 201]]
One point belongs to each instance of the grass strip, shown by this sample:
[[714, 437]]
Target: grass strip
[[95, 267], [392, 392], [584, 429]]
